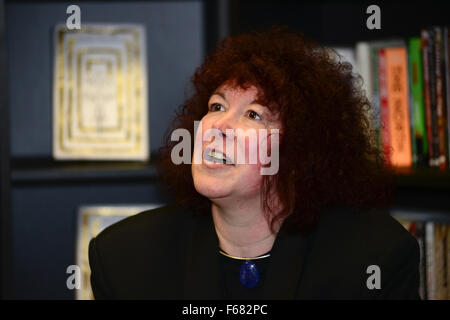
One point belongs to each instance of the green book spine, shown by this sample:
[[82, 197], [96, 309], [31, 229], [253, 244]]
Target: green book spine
[[411, 78], [376, 93], [420, 141]]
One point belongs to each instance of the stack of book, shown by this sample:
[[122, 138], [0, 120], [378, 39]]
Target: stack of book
[[408, 85], [434, 243]]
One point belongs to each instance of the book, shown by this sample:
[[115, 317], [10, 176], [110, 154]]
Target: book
[[396, 68], [416, 228], [430, 95], [433, 239], [363, 66], [430, 257], [440, 233], [384, 113], [367, 66], [436, 235], [419, 140], [447, 85], [426, 94], [411, 115], [447, 260], [440, 108]]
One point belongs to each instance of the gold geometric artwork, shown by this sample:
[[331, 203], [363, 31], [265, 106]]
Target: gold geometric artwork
[[100, 93], [92, 219]]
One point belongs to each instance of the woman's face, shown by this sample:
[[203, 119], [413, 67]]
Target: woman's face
[[237, 116]]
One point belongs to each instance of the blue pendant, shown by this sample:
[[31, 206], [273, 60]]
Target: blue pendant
[[249, 274]]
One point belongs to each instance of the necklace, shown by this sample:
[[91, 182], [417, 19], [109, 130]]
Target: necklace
[[249, 273]]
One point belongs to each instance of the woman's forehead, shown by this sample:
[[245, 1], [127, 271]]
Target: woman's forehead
[[250, 92], [232, 91]]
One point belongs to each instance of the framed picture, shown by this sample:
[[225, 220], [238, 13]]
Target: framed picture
[[92, 219], [100, 93]]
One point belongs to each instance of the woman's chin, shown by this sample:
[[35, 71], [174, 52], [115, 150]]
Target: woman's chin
[[212, 190]]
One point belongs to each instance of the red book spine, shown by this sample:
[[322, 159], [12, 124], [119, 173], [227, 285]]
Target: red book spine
[[398, 106], [440, 98], [447, 94], [426, 94], [384, 112]]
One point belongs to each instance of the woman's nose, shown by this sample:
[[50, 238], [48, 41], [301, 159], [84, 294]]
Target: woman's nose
[[223, 124]]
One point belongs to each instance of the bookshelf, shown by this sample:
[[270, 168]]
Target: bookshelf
[[48, 172], [428, 178], [342, 24], [421, 195], [53, 189]]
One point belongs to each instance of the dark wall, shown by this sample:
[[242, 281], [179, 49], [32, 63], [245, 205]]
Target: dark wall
[[340, 23], [44, 230], [174, 49], [44, 212]]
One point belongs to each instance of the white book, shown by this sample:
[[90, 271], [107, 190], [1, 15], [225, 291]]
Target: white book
[[365, 53], [430, 256], [440, 232], [363, 66], [447, 257]]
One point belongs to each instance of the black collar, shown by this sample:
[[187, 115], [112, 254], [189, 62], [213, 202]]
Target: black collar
[[202, 278]]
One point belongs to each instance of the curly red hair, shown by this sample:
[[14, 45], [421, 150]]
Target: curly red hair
[[328, 155]]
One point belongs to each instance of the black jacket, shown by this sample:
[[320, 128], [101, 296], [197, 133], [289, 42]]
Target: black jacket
[[167, 253]]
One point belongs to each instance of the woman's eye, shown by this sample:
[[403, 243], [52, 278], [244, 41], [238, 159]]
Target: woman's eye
[[254, 115], [216, 107]]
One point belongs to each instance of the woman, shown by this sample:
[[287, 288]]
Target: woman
[[308, 229]]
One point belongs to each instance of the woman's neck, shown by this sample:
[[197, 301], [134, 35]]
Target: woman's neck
[[242, 230]]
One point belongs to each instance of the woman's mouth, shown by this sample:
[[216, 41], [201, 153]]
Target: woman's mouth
[[215, 156]]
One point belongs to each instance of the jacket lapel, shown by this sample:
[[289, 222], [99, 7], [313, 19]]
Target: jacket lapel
[[202, 269], [283, 274]]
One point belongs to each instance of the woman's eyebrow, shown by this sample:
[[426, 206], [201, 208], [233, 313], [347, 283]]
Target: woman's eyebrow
[[256, 101], [221, 94]]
